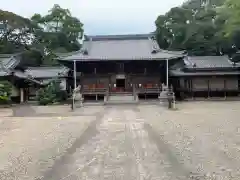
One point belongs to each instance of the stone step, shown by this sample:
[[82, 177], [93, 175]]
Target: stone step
[[121, 98], [121, 94], [120, 102]]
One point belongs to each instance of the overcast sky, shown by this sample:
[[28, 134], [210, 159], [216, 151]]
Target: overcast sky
[[101, 16]]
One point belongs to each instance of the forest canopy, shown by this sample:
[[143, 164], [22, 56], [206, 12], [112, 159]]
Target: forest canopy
[[40, 36], [202, 27]]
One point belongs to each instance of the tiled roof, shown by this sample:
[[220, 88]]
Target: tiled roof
[[46, 72], [120, 37], [7, 63], [208, 62], [204, 66], [38, 74], [23, 75], [4, 73], [121, 47]]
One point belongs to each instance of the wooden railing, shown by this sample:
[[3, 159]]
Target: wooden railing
[[205, 89], [94, 90], [148, 90]]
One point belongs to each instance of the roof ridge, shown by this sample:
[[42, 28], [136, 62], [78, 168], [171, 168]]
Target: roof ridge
[[119, 37], [47, 67], [68, 53], [172, 52], [155, 47]]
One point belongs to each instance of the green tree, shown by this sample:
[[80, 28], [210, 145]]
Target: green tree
[[16, 32], [5, 92], [193, 26], [58, 31], [230, 11]]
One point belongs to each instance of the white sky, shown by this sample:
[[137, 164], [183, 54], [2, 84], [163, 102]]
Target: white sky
[[101, 16]]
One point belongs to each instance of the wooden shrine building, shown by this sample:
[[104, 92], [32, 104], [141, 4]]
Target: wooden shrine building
[[121, 64], [26, 80]]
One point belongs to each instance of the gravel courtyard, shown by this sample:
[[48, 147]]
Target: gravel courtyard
[[199, 141]]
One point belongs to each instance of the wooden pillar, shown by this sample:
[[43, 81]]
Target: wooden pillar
[[26, 94], [21, 95], [167, 73], [96, 97], [75, 74], [208, 88], [191, 88], [225, 88]]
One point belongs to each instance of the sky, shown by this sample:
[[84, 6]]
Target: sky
[[101, 17]]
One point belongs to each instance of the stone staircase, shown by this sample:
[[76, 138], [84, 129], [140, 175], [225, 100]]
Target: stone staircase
[[121, 98]]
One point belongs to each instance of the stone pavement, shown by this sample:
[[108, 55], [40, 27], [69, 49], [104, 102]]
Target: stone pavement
[[119, 146]]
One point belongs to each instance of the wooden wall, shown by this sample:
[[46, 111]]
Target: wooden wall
[[211, 83]]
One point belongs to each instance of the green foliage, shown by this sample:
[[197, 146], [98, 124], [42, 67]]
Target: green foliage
[[198, 26], [15, 32], [230, 13], [5, 92], [58, 30], [41, 36], [51, 93]]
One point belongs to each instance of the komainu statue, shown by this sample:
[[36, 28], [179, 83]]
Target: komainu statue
[[77, 99]]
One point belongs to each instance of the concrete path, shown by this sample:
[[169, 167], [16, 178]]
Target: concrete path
[[119, 145]]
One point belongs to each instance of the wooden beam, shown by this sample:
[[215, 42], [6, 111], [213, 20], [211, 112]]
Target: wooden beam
[[208, 88], [225, 93]]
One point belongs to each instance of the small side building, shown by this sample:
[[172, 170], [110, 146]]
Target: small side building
[[206, 76], [27, 80]]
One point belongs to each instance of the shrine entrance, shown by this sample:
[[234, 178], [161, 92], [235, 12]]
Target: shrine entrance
[[120, 83]]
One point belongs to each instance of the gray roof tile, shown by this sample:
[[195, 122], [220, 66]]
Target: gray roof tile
[[204, 66], [122, 47], [208, 62], [46, 72], [7, 63], [120, 37], [4, 73], [23, 75]]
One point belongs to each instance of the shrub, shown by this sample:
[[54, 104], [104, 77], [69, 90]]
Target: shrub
[[5, 92], [52, 93]]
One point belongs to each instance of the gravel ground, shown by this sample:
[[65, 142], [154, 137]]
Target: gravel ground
[[199, 141], [29, 146], [204, 136], [5, 112]]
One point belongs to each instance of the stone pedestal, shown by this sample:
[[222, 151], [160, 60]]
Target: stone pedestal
[[167, 97], [78, 99]]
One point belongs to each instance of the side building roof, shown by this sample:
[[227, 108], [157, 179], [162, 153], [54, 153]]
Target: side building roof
[[205, 65], [7, 63], [121, 47], [47, 72]]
